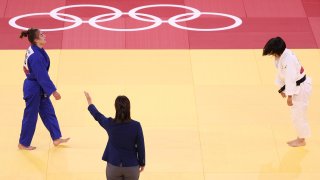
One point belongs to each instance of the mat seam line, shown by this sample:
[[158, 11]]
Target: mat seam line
[[197, 116], [5, 9]]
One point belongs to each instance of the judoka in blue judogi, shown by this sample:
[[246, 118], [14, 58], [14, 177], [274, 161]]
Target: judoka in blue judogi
[[37, 89]]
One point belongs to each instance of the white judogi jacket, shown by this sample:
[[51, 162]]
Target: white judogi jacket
[[289, 72]]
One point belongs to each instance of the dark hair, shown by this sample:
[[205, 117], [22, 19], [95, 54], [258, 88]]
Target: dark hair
[[122, 105], [31, 33], [274, 46]]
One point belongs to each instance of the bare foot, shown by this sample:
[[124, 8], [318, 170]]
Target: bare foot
[[59, 141], [297, 143], [289, 142], [29, 148]]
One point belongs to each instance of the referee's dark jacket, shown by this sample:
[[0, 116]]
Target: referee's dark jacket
[[125, 147]]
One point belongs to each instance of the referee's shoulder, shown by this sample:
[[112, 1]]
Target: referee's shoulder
[[135, 122]]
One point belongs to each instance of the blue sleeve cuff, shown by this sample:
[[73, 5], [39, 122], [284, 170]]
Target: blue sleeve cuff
[[92, 108], [49, 92]]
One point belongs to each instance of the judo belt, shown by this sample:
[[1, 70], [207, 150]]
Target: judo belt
[[297, 83], [42, 91], [31, 79]]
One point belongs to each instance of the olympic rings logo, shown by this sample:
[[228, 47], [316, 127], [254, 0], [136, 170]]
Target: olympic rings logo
[[156, 21]]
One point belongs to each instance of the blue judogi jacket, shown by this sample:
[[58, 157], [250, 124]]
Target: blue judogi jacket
[[36, 65], [125, 146]]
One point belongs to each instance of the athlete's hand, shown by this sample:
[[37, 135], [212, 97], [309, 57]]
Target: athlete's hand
[[283, 95], [289, 101], [56, 95], [89, 100], [25, 70]]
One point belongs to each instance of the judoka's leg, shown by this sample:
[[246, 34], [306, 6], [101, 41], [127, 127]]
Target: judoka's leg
[[300, 121], [29, 121], [299, 116], [50, 120]]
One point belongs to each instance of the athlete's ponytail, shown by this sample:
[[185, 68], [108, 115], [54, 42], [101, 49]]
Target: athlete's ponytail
[[31, 33], [24, 34]]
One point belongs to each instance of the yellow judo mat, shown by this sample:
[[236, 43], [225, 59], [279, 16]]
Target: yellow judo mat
[[206, 115]]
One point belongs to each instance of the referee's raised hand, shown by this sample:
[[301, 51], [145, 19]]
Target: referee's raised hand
[[89, 100]]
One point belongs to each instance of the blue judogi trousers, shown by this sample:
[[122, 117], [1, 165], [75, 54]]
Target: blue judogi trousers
[[37, 103]]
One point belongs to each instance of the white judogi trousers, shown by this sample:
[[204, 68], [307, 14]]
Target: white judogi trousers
[[299, 109]]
